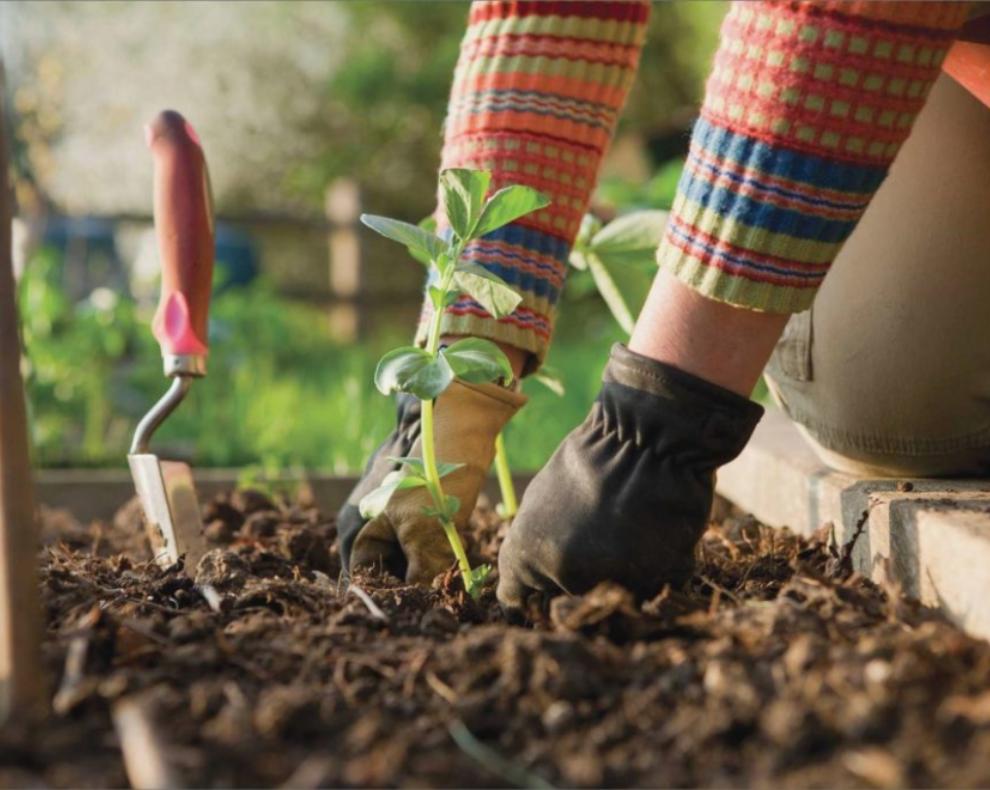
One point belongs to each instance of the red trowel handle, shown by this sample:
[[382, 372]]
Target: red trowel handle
[[184, 225]]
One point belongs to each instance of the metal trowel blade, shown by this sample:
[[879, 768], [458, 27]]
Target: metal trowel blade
[[171, 509]]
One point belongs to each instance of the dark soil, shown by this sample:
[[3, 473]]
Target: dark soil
[[776, 666]]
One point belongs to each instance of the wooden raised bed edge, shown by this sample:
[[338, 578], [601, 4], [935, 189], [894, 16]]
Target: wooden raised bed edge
[[98, 493]]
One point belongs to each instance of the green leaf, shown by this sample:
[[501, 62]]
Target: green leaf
[[550, 378], [414, 238], [590, 225], [413, 370], [489, 290], [374, 503], [509, 204], [438, 298], [451, 505], [444, 469], [631, 238], [463, 196], [622, 286], [477, 578], [414, 463], [578, 259], [477, 360], [398, 366], [428, 224], [419, 468], [470, 267], [432, 380], [479, 182], [472, 186], [621, 258]]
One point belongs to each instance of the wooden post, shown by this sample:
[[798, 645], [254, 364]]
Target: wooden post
[[342, 206], [20, 615]]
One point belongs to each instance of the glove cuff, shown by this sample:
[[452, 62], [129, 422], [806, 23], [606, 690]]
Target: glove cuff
[[465, 411], [643, 373], [661, 403], [469, 417], [492, 395]]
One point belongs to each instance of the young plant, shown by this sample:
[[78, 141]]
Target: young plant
[[427, 372], [620, 258], [509, 506]]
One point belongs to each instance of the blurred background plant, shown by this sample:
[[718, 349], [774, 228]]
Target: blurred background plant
[[281, 393], [357, 97]]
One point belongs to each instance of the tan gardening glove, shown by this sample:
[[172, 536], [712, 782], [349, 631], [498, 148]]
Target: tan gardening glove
[[467, 418]]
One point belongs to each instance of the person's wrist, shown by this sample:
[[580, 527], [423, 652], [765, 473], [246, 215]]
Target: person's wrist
[[715, 341]]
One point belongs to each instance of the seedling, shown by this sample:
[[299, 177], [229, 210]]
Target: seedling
[[548, 377], [509, 506], [427, 372], [620, 258]]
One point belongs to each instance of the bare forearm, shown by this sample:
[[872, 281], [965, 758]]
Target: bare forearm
[[725, 345]]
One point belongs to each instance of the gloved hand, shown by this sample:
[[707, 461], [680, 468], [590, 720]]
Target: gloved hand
[[398, 445], [409, 544], [627, 494]]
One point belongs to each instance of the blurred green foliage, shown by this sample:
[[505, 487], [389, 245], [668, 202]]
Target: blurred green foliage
[[71, 367], [280, 393], [657, 192]]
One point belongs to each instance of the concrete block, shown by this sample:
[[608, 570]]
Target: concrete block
[[931, 537]]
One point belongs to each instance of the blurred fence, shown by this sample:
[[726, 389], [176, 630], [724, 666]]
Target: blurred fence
[[361, 283]]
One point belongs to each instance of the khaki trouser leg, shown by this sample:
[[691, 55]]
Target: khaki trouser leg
[[889, 373]]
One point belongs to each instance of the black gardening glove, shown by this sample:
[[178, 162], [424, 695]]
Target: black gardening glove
[[397, 445], [627, 495]]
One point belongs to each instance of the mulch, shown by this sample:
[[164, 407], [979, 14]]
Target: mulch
[[775, 666]]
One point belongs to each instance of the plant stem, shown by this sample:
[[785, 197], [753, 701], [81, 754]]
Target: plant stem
[[429, 447], [436, 491], [509, 502], [433, 338]]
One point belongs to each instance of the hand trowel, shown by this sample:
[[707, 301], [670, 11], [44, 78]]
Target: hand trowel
[[184, 227]]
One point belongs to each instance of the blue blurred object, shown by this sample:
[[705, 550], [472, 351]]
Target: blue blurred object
[[89, 254], [236, 258], [90, 259]]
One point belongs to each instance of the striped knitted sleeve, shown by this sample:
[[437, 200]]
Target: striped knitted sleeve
[[806, 106], [536, 94]]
